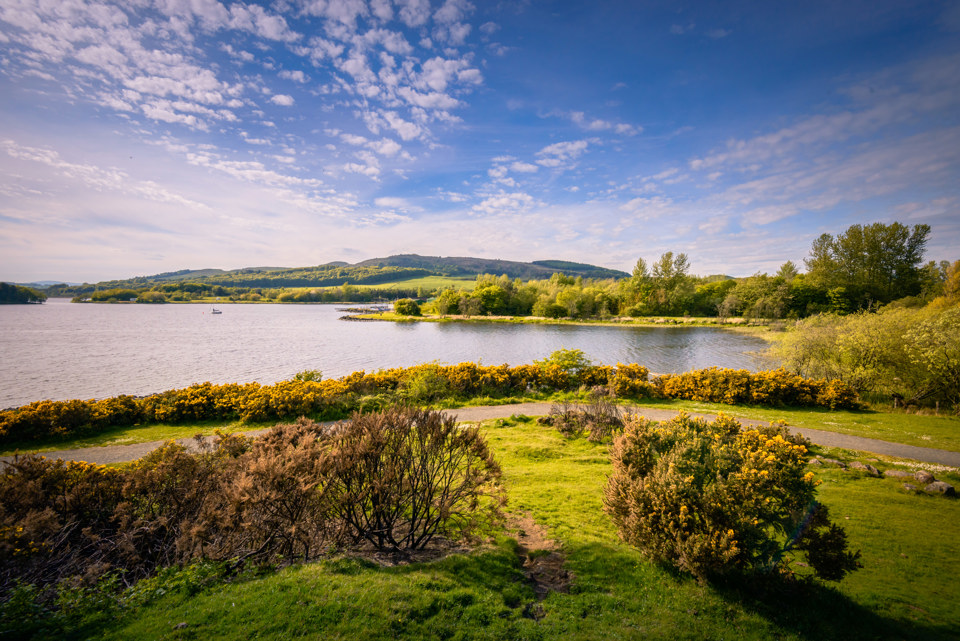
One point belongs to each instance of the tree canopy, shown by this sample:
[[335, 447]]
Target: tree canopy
[[874, 263], [18, 294]]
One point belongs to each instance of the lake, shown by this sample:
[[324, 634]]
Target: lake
[[61, 350]]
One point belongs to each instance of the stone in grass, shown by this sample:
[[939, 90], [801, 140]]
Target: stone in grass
[[833, 461], [939, 487], [910, 487], [865, 467], [897, 474], [924, 476]]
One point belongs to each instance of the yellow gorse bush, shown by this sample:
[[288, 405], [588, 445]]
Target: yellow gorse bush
[[711, 499], [424, 383]]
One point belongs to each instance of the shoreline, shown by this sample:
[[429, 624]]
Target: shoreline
[[739, 324]]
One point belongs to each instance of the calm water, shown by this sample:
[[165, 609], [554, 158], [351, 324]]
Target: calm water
[[61, 350]]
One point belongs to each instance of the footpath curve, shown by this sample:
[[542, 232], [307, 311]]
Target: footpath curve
[[122, 453]]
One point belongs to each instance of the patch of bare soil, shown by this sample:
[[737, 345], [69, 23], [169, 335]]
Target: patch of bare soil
[[438, 548], [542, 560]]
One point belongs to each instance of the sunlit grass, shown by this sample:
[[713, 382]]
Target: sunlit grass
[[135, 434], [922, 430], [905, 591]]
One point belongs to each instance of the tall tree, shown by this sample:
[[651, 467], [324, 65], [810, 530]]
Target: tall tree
[[672, 288], [872, 263]]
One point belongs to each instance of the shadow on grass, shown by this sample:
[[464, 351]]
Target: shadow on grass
[[808, 610], [817, 612]]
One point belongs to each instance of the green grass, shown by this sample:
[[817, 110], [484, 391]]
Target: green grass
[[907, 589], [756, 328], [923, 430], [134, 434], [896, 426]]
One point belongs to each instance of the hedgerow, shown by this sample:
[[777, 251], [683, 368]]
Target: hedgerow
[[740, 386], [390, 481], [420, 384]]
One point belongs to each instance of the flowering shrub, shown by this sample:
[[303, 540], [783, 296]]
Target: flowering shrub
[[775, 387], [631, 380], [426, 383], [711, 499]]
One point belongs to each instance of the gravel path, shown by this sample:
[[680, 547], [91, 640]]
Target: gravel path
[[122, 453]]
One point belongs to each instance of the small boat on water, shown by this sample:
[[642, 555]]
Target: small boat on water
[[215, 311]]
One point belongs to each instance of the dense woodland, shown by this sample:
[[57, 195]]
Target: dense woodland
[[17, 294]]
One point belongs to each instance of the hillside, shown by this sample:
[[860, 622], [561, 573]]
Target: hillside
[[466, 266], [376, 271]]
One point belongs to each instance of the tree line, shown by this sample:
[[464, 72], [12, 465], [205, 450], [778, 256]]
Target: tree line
[[865, 267], [862, 268], [11, 294]]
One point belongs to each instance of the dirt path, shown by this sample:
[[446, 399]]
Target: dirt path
[[122, 453]]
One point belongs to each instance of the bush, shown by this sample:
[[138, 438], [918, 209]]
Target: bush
[[395, 480], [910, 354], [403, 476], [598, 419], [407, 307], [776, 387], [310, 395], [711, 499]]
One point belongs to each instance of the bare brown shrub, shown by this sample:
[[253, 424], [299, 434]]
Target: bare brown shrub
[[598, 419], [405, 475], [273, 501], [394, 480]]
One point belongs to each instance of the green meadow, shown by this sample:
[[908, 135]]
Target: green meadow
[[905, 589]]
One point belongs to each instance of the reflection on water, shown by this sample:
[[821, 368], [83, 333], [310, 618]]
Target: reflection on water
[[60, 350]]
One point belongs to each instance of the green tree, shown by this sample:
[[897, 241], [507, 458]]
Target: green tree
[[672, 288], [14, 294], [788, 271], [875, 263], [407, 307], [448, 302]]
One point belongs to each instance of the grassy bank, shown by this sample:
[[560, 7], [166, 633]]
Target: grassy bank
[[754, 326], [902, 592], [895, 426]]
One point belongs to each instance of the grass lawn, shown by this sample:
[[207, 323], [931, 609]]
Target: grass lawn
[[906, 590], [923, 430], [134, 434]]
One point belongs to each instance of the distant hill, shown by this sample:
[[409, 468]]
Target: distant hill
[[376, 271], [464, 266]]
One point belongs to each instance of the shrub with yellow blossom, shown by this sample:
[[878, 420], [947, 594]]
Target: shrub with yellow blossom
[[712, 499]]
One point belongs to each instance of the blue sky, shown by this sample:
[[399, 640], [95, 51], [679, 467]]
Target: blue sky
[[145, 136]]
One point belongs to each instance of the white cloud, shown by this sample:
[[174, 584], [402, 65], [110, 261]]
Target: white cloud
[[96, 177], [392, 202], [386, 147], [648, 208], [283, 100], [561, 154], [414, 13], [430, 100], [295, 75], [505, 204], [405, 129], [524, 168], [597, 124]]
